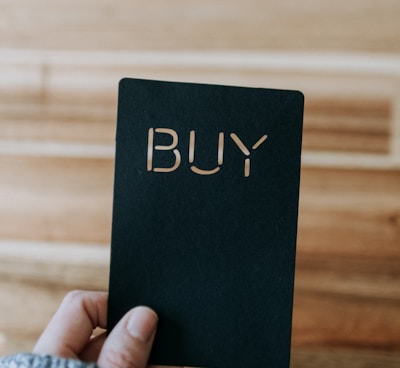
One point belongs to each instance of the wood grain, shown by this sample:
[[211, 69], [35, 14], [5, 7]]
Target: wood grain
[[350, 212], [351, 111], [60, 64], [70, 199], [56, 160], [361, 25], [67, 199], [350, 125], [343, 358], [340, 304]]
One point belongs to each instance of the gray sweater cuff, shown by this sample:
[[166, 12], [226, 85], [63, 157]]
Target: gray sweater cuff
[[27, 360]]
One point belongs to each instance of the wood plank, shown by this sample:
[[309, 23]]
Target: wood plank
[[348, 276], [57, 122], [340, 303], [353, 125], [80, 91], [58, 72], [25, 310], [343, 358], [55, 264], [29, 260], [347, 302], [66, 199], [33, 305], [395, 129], [366, 25], [332, 320], [58, 130], [350, 125], [350, 212]]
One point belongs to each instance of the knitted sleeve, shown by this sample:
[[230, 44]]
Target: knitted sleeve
[[27, 360]]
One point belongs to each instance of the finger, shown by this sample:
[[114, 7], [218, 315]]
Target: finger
[[129, 343], [71, 327]]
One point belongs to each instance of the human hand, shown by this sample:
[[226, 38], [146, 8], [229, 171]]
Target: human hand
[[69, 333]]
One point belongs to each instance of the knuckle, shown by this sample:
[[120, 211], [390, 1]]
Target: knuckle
[[74, 297]]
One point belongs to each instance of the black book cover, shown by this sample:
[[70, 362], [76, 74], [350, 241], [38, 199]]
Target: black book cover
[[205, 219]]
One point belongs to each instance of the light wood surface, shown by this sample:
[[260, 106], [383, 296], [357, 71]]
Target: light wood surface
[[59, 70], [357, 25]]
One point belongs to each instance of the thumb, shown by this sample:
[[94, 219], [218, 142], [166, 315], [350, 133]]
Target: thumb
[[129, 343]]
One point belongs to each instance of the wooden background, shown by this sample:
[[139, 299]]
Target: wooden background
[[60, 63]]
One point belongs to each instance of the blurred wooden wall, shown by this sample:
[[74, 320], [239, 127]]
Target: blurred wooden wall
[[60, 64]]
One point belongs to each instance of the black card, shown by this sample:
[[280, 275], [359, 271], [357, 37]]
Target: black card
[[205, 219]]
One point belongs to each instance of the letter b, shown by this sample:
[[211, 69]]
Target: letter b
[[172, 146]]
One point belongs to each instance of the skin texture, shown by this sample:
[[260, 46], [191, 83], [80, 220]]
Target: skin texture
[[69, 333]]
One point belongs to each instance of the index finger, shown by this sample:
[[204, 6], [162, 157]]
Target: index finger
[[72, 326]]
